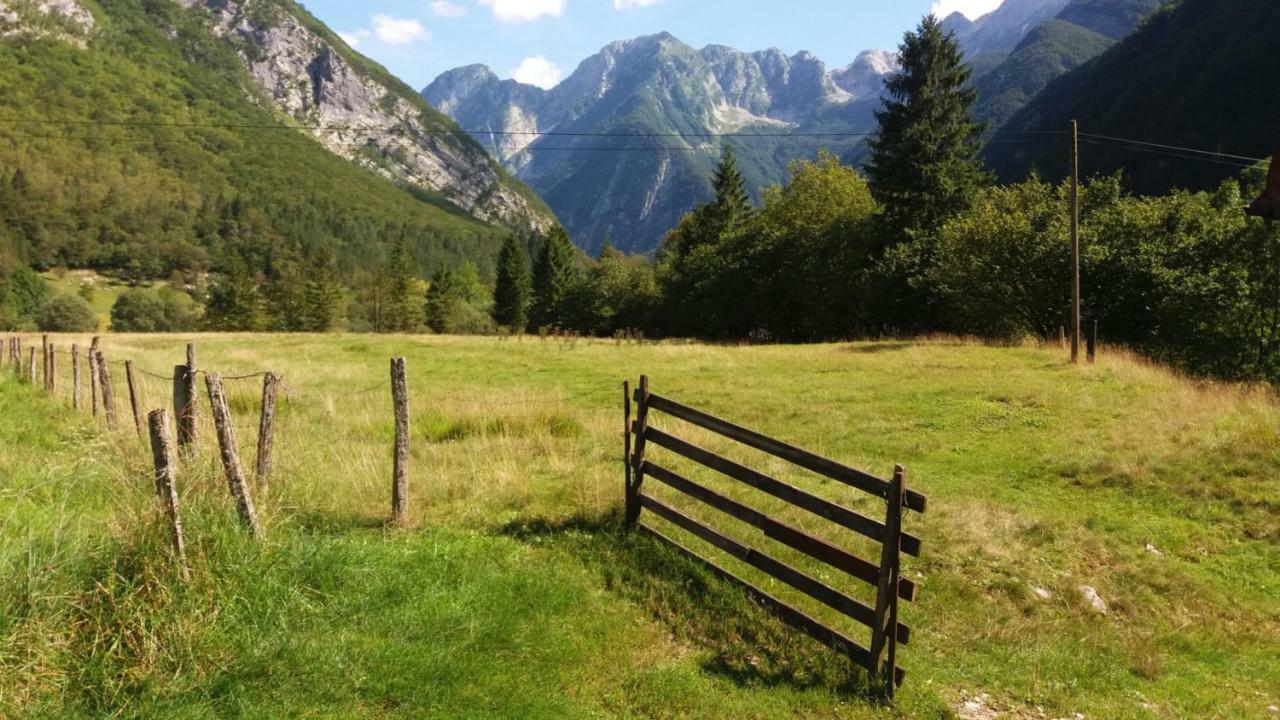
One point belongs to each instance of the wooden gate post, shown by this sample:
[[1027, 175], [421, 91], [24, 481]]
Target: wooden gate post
[[167, 483], [400, 469], [884, 633], [108, 394], [231, 454], [75, 376], [266, 428], [626, 444], [135, 397], [637, 457]]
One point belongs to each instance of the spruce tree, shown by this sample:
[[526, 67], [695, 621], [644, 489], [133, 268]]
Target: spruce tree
[[234, 302], [322, 293], [554, 279], [923, 167], [402, 306], [512, 294], [442, 301], [732, 205]]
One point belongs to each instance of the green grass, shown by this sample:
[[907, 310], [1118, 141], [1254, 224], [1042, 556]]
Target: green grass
[[513, 594]]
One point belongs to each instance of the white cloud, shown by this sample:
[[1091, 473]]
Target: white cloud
[[537, 70], [524, 10], [972, 9], [353, 38], [631, 4], [446, 9], [398, 31]]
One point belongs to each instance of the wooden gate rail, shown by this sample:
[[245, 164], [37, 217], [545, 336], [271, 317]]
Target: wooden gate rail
[[880, 657]]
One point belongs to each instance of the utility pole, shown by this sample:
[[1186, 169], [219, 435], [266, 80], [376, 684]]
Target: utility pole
[[1075, 241]]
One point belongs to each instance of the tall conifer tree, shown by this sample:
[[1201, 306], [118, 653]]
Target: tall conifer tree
[[554, 279], [403, 305], [513, 292]]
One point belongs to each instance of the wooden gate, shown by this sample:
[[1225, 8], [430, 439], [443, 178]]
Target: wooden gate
[[879, 657]]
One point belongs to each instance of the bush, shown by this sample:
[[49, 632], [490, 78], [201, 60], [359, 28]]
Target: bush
[[145, 311], [66, 313]]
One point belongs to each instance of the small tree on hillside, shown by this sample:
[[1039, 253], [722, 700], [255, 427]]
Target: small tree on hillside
[[923, 167], [322, 292], [554, 279], [402, 306], [513, 291]]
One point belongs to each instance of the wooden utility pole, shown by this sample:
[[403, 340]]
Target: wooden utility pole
[[1075, 241]]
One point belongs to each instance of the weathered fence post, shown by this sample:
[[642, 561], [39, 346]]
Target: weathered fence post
[[44, 360], [1093, 343], [626, 442], [31, 366], [166, 483], [108, 394], [75, 376], [231, 454], [185, 403], [135, 395], [400, 471], [266, 428], [51, 367], [93, 379], [885, 630], [637, 458]]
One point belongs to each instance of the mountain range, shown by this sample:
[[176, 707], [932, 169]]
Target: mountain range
[[674, 104]]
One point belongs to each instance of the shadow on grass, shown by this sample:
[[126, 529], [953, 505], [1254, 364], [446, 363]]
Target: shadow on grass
[[879, 347], [740, 640]]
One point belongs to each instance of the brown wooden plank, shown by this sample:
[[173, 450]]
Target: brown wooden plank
[[795, 618], [810, 461], [837, 514], [806, 584], [794, 538]]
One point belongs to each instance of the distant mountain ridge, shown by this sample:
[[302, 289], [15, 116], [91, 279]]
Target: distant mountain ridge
[[674, 102]]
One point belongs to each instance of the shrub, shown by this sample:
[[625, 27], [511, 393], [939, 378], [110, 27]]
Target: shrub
[[66, 313]]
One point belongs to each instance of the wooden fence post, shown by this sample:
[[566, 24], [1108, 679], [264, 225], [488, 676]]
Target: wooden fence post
[[400, 469], [44, 360], [51, 369], [1093, 343], [885, 630], [231, 454], [75, 376], [93, 379], [637, 458], [31, 366], [108, 394], [167, 483], [185, 403], [135, 396], [267, 428]]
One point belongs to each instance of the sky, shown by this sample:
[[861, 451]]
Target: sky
[[542, 41]]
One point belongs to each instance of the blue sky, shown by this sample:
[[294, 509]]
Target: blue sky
[[541, 40]]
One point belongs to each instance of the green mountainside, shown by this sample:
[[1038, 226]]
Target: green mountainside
[[1198, 73], [134, 139]]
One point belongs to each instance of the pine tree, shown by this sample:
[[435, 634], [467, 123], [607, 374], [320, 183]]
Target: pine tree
[[402, 306], [322, 294], [513, 291], [923, 168], [554, 279]]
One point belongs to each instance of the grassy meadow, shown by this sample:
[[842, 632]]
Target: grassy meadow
[[514, 594]]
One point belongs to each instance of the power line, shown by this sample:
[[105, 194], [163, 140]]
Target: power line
[[1161, 146], [1153, 151]]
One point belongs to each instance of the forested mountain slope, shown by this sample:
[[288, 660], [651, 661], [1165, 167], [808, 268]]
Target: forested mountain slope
[[145, 136], [1199, 73]]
